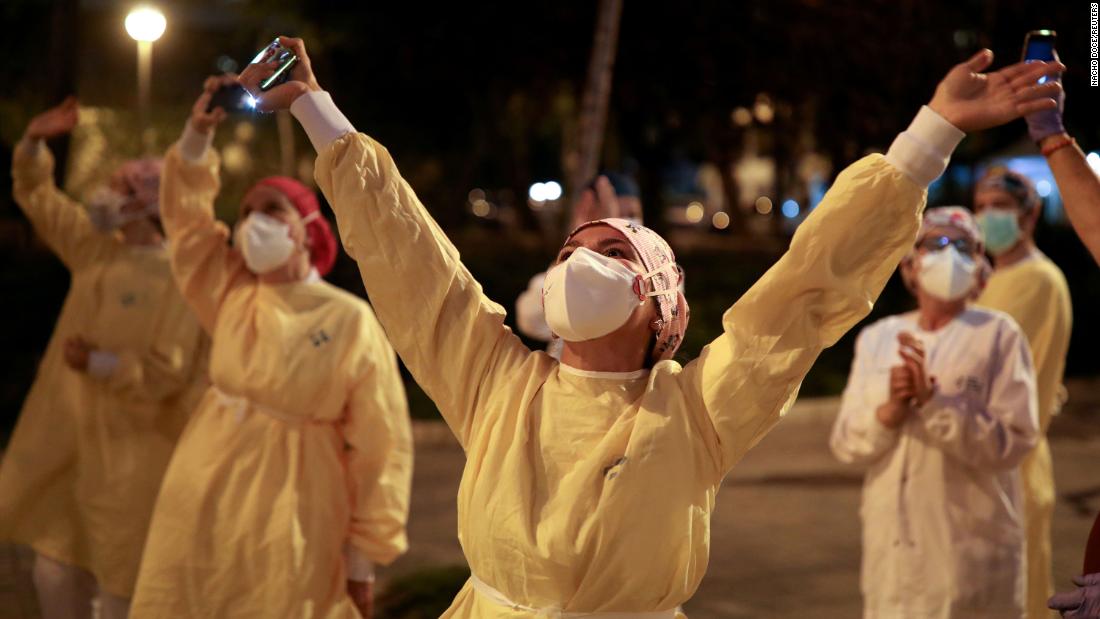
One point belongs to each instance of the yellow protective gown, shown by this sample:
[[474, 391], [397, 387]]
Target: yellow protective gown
[[587, 491], [302, 443], [1034, 292], [84, 465]]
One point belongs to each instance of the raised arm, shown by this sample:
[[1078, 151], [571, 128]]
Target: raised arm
[[449, 334], [841, 257], [1080, 188], [205, 266], [1078, 183], [379, 458], [60, 221]]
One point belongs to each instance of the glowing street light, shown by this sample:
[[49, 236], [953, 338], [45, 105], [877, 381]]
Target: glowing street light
[[145, 25]]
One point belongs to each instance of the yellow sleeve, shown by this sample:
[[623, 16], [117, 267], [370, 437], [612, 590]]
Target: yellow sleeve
[[839, 260], [1038, 300], [379, 456], [170, 363], [206, 268], [449, 334], [60, 221]]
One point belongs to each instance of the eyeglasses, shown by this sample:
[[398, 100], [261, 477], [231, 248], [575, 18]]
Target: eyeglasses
[[937, 243]]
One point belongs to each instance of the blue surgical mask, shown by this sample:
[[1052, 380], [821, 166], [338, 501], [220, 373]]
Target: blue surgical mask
[[1000, 229]]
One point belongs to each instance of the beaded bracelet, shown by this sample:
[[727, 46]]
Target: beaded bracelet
[[1050, 148]]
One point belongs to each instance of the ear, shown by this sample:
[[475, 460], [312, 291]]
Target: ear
[[655, 320]]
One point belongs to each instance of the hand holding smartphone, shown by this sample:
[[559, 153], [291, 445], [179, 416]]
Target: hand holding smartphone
[[232, 98], [277, 53], [1039, 47]]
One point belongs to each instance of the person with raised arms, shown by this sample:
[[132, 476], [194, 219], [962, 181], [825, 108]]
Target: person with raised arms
[[589, 482]]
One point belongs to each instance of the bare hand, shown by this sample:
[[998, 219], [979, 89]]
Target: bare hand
[[912, 355], [201, 120], [280, 97], [362, 595], [55, 121], [972, 100], [597, 204], [77, 352], [896, 409]]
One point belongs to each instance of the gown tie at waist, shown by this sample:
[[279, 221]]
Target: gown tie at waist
[[488, 592]]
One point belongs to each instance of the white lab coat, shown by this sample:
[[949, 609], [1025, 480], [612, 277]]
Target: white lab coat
[[943, 526]]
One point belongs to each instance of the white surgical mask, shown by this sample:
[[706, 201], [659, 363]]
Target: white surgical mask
[[105, 209], [946, 274], [589, 295], [264, 242]]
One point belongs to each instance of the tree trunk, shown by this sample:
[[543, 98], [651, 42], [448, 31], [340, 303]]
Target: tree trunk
[[62, 61], [597, 91]]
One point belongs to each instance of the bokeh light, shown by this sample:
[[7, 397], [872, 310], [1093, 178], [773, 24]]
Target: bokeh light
[[694, 212], [145, 24]]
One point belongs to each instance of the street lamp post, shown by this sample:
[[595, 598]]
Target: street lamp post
[[145, 25]]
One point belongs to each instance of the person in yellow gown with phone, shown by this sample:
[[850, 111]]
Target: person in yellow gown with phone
[[292, 480]]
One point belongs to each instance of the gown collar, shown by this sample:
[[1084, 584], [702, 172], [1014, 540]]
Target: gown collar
[[568, 369]]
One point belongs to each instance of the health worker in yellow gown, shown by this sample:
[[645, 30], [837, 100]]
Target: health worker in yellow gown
[[1028, 286], [589, 482], [118, 380], [292, 479]]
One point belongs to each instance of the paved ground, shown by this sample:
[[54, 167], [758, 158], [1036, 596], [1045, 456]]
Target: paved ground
[[785, 535]]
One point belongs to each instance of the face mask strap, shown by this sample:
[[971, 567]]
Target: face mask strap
[[640, 283], [311, 217]]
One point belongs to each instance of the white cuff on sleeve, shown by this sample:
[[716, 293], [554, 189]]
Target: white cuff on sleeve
[[321, 119], [922, 151], [360, 568], [101, 364], [193, 144]]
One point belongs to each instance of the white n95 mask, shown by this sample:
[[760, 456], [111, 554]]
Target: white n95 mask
[[264, 242], [589, 295], [946, 274]]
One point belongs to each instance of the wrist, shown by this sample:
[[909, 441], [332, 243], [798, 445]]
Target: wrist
[[945, 113], [304, 88], [205, 129], [1046, 141], [1051, 143], [891, 414]]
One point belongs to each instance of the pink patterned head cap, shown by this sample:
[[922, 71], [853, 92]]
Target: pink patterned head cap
[[955, 217], [142, 177], [656, 255]]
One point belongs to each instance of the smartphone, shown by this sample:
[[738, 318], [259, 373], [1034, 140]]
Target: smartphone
[[1039, 46], [232, 99], [286, 59]]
